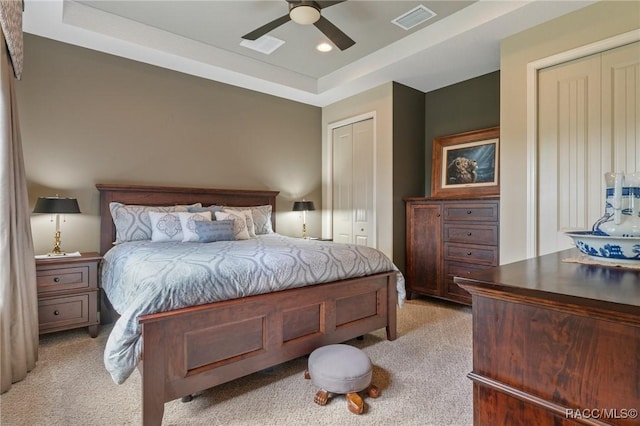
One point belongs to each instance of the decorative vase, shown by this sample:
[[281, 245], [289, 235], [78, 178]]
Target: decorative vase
[[622, 207]]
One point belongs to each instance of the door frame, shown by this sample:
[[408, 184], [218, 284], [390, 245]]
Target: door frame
[[327, 211], [532, 121]]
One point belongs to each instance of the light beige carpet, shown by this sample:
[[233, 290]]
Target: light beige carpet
[[422, 376]]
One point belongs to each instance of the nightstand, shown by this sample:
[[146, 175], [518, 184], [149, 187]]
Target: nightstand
[[68, 293]]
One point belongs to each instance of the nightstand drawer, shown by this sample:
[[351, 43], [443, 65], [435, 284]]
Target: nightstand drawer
[[57, 279], [63, 311], [472, 234]]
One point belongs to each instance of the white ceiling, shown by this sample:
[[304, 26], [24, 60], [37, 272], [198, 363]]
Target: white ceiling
[[202, 38]]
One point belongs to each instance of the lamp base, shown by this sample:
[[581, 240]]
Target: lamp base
[[56, 251]]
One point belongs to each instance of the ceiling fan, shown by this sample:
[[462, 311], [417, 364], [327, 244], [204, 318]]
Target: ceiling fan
[[306, 13]]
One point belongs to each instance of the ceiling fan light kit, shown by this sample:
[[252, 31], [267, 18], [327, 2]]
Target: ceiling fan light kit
[[306, 13], [303, 14]]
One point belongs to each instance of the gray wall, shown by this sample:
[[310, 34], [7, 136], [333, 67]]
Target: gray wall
[[89, 117], [469, 105], [408, 160]]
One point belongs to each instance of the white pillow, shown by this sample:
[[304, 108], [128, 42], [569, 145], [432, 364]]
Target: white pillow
[[132, 221], [261, 216], [188, 224], [166, 226], [239, 223], [248, 217]]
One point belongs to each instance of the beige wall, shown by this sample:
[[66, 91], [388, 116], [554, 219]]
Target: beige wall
[[589, 25], [379, 101], [88, 117]]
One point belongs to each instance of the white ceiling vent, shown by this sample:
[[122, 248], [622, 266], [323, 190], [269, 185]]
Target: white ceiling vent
[[265, 44], [415, 16]]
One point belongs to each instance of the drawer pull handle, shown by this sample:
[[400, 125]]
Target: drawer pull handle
[[56, 280], [438, 215], [56, 312], [468, 211], [468, 253], [468, 234]]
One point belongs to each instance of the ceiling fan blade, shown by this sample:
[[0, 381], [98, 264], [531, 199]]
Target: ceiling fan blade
[[325, 4], [334, 34], [257, 33]]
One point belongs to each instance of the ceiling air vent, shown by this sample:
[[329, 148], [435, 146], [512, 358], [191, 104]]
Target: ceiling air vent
[[265, 44], [415, 16]]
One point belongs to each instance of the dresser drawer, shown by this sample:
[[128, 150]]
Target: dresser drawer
[[471, 234], [61, 312], [471, 253], [57, 279], [471, 212], [460, 269]]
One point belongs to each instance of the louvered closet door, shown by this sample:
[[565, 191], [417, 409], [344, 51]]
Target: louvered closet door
[[588, 122]]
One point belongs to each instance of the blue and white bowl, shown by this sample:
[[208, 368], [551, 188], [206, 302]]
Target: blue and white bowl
[[607, 248]]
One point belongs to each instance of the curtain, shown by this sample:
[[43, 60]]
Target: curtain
[[18, 294]]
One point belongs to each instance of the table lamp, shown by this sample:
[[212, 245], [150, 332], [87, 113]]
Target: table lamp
[[56, 206], [304, 207]]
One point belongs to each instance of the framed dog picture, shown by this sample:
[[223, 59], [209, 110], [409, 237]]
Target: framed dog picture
[[466, 164]]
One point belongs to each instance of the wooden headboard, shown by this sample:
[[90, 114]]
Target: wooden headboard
[[168, 196]]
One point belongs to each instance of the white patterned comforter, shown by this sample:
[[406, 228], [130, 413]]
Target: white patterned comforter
[[143, 277]]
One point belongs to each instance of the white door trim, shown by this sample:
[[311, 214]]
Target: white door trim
[[532, 120], [327, 216]]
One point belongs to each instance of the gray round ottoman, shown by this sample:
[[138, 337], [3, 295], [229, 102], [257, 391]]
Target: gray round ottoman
[[341, 369]]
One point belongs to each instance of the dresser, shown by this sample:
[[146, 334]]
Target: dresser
[[68, 293], [555, 343], [447, 238]]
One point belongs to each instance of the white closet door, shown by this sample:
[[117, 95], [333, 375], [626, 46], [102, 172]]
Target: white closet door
[[588, 124], [621, 110], [569, 167], [363, 183], [343, 184], [353, 184]]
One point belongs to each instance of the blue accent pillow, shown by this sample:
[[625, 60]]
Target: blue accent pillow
[[215, 230], [200, 209]]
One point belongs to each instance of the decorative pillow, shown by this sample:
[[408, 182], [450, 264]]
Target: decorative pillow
[[261, 218], [188, 224], [215, 230], [168, 227], [251, 229], [239, 223], [211, 209], [132, 222]]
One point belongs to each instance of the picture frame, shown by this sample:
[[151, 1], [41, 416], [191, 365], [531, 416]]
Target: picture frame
[[465, 165]]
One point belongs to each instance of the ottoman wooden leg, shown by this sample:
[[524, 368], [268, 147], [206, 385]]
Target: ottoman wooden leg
[[373, 391], [307, 375], [321, 397], [354, 403]]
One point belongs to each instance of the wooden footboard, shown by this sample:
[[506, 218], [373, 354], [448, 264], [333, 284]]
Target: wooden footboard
[[193, 349]]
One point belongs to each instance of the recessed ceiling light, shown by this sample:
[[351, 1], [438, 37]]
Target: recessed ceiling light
[[324, 47]]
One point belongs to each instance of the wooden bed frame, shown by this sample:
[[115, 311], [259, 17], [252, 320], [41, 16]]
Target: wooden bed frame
[[189, 350]]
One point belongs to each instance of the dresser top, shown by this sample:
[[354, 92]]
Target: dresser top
[[549, 278]]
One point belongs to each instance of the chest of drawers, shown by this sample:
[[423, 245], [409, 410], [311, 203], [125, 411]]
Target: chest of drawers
[[68, 293], [448, 238]]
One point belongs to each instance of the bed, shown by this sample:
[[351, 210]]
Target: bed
[[188, 350]]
